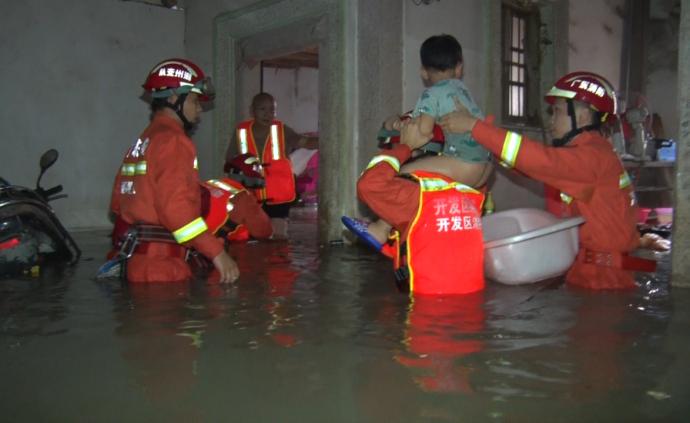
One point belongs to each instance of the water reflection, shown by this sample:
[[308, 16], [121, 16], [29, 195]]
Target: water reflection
[[161, 332], [33, 307], [439, 332], [313, 333]]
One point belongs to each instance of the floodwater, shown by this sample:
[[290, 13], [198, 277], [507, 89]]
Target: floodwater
[[320, 334]]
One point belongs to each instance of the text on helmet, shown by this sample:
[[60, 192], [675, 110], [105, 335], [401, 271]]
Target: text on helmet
[[589, 86], [176, 73]]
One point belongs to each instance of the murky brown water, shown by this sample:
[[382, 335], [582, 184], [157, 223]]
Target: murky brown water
[[314, 334]]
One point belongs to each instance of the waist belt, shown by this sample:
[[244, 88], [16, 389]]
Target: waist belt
[[616, 260], [139, 237], [166, 249], [153, 233]]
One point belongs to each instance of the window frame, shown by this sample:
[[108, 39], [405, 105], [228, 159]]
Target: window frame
[[527, 63]]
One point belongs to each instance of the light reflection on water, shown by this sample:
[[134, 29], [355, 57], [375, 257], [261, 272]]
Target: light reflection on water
[[315, 332]]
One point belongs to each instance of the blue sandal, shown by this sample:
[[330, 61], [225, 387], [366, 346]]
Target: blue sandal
[[359, 228]]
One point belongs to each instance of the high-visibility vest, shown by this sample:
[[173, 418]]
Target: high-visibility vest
[[217, 206], [444, 250], [280, 182]]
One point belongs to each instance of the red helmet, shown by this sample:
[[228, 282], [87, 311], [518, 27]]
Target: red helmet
[[246, 169], [245, 164], [178, 76], [586, 87]]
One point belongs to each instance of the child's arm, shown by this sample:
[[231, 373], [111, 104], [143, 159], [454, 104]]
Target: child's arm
[[293, 140]]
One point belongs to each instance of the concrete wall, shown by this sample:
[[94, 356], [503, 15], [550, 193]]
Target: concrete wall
[[596, 37], [199, 18], [72, 72]]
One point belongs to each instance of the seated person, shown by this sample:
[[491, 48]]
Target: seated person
[[462, 159], [436, 221]]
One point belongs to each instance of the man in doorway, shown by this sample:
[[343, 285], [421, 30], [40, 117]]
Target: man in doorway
[[271, 140]]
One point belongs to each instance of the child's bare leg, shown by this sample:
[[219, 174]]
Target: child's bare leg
[[379, 229], [471, 174]]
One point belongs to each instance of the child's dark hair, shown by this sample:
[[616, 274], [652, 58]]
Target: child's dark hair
[[441, 52]]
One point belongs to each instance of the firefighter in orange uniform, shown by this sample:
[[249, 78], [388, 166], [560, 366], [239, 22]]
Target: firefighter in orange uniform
[[438, 238], [583, 166], [230, 210], [158, 183], [268, 138]]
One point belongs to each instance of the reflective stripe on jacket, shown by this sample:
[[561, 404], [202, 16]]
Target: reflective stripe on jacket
[[444, 250], [218, 205], [280, 182]]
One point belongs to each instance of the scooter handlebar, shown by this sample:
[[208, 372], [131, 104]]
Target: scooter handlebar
[[51, 191]]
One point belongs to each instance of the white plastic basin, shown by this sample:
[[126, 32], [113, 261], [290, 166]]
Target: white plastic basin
[[528, 245]]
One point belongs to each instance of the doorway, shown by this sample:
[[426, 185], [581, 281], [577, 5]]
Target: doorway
[[293, 80]]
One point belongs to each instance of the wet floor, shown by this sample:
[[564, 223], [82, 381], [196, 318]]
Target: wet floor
[[319, 333]]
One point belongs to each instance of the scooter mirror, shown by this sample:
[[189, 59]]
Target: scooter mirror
[[48, 158]]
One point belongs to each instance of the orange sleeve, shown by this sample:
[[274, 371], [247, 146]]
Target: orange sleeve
[[247, 211], [567, 168], [393, 199], [115, 195], [178, 196]]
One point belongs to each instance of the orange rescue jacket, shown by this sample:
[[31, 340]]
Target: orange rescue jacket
[[280, 182], [227, 204], [444, 250]]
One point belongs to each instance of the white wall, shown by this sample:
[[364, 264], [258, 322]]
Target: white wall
[[297, 95], [596, 38], [72, 72]]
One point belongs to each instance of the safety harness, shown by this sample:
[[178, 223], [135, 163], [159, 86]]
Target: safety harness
[[137, 240]]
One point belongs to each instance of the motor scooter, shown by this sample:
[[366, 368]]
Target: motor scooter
[[30, 232]]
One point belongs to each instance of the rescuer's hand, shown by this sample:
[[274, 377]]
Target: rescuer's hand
[[458, 121], [227, 267], [392, 123], [411, 134]]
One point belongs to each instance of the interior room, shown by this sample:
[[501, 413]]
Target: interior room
[[323, 323]]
